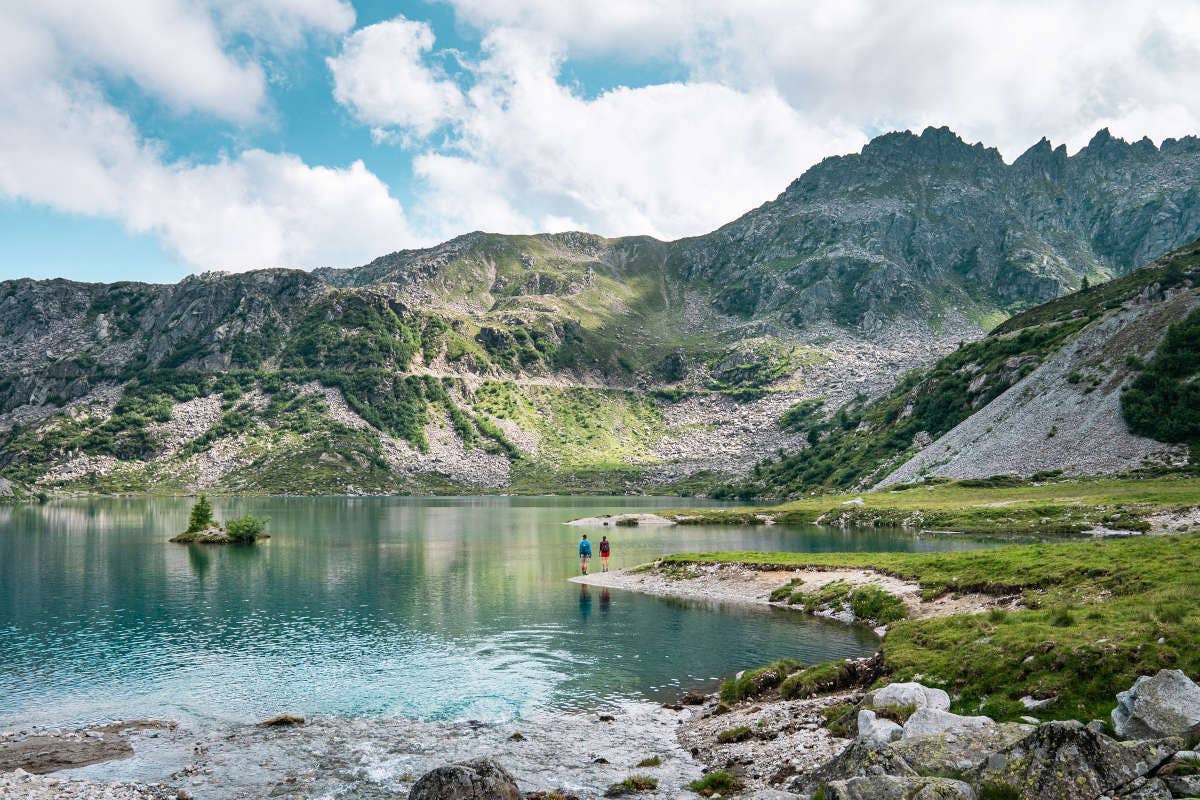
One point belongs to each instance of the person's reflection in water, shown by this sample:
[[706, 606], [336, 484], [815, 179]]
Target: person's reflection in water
[[604, 601], [585, 601]]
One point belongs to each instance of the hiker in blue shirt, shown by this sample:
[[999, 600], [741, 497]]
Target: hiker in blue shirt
[[585, 553]]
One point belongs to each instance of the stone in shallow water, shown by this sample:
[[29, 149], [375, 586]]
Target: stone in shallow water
[[479, 779]]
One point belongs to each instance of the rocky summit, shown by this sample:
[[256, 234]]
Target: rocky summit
[[572, 362]]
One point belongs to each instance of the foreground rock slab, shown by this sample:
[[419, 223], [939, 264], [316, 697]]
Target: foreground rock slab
[[27, 786], [479, 779], [1068, 759], [897, 695], [887, 787], [1167, 704]]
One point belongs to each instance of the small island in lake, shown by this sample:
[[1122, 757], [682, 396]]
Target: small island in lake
[[204, 529]]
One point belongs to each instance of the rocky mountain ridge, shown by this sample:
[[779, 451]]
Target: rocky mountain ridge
[[571, 361]]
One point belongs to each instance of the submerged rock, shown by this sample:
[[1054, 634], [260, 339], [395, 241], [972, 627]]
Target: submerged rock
[[1167, 704], [479, 779], [897, 695]]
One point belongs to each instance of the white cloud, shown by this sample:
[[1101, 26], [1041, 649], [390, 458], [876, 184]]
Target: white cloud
[[526, 153], [64, 145], [381, 76], [1005, 72], [67, 148]]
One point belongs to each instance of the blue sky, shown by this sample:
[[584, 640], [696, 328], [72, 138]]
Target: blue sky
[[184, 135]]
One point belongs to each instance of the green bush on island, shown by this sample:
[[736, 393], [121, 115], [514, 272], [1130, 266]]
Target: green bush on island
[[203, 527], [247, 529]]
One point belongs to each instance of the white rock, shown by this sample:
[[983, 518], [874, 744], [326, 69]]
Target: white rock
[[930, 721], [897, 695], [875, 730], [1167, 704]]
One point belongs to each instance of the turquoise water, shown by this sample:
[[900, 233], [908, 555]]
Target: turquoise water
[[432, 608]]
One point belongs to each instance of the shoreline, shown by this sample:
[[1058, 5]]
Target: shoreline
[[725, 582]]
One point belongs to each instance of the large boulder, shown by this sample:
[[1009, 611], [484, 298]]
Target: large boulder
[[480, 779], [925, 756], [888, 787], [874, 730], [931, 721], [1068, 759], [912, 695], [1167, 704]]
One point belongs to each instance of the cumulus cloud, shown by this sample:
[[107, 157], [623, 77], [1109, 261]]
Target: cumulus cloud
[[525, 152], [381, 76], [64, 145], [1005, 72]]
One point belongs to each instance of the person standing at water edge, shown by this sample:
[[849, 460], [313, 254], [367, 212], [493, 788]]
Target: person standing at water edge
[[605, 549], [585, 553]]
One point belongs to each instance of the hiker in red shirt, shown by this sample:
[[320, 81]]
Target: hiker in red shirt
[[605, 549]]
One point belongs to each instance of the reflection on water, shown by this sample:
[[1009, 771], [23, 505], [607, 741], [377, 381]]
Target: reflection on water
[[434, 608]]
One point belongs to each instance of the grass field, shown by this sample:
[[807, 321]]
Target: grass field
[[990, 505], [1098, 613]]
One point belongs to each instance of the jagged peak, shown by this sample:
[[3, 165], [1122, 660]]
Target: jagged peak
[[1042, 155]]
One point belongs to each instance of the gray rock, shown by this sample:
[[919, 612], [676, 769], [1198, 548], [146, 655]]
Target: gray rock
[[479, 779], [939, 755], [896, 695], [1183, 785], [1067, 759], [875, 730], [887, 787], [930, 721], [1167, 704]]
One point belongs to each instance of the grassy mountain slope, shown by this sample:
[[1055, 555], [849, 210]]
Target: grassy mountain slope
[[574, 362], [1064, 387]]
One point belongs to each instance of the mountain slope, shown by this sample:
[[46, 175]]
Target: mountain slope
[[1060, 388], [575, 362]]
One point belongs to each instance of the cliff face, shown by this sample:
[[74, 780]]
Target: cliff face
[[567, 359], [929, 227]]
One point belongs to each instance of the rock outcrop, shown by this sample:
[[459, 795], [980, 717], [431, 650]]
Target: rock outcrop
[[1166, 704], [480, 779]]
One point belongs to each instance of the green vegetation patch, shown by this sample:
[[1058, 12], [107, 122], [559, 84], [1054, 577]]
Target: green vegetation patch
[[753, 683], [717, 782], [1163, 401], [632, 785], [1096, 615]]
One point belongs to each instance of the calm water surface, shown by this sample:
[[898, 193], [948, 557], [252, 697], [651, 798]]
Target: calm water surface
[[433, 608]]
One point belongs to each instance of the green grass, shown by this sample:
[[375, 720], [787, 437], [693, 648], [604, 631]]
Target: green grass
[[1095, 613], [716, 782], [731, 735], [650, 761], [632, 785], [756, 682], [1058, 507]]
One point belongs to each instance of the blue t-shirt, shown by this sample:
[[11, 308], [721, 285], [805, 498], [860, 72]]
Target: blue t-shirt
[[585, 547]]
